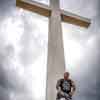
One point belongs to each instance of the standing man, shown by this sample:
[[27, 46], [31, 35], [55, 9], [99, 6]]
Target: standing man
[[65, 87]]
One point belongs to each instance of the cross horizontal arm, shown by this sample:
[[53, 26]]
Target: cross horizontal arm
[[34, 7], [75, 19]]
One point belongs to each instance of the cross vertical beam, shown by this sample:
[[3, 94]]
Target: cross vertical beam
[[55, 61]]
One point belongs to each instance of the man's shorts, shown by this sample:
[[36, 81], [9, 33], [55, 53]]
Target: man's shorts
[[63, 95]]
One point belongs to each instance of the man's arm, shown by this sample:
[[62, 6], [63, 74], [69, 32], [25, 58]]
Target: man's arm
[[73, 88], [58, 84]]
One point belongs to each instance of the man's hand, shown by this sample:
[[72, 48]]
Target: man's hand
[[59, 90], [73, 88], [71, 93]]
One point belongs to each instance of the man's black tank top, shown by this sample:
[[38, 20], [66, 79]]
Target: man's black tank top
[[66, 85]]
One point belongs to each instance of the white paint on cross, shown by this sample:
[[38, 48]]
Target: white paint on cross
[[55, 60]]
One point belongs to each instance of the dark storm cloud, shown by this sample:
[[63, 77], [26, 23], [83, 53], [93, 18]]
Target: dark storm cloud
[[98, 15], [6, 6], [4, 86], [97, 58], [3, 94]]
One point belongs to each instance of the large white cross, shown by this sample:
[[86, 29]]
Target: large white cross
[[55, 61]]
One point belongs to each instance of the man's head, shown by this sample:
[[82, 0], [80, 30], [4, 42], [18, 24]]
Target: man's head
[[66, 75]]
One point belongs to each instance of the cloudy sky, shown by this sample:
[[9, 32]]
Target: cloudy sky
[[23, 51]]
